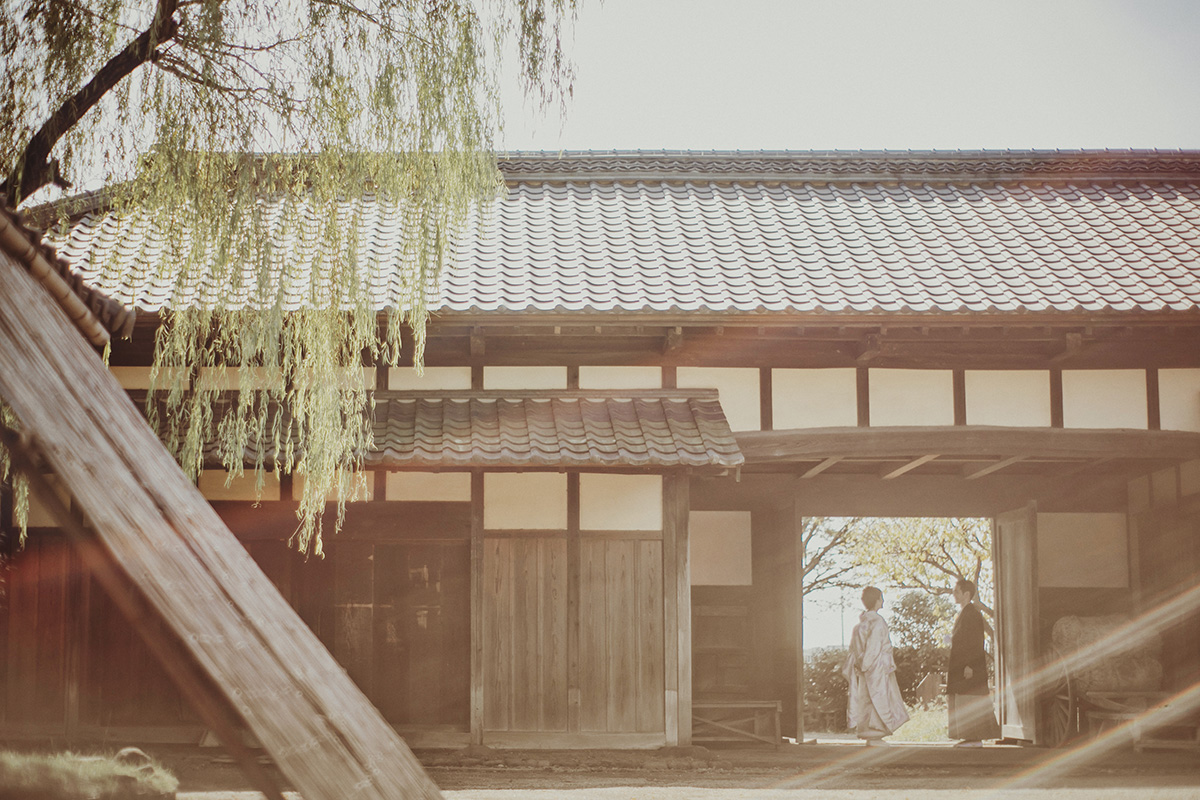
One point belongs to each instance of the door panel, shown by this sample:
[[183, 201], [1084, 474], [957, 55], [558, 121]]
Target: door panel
[[1014, 551]]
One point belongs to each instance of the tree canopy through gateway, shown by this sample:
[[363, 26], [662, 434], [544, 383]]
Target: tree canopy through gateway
[[234, 126]]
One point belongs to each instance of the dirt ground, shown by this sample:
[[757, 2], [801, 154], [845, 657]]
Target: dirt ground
[[834, 770]]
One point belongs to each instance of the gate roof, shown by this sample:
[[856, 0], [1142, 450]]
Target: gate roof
[[769, 234]]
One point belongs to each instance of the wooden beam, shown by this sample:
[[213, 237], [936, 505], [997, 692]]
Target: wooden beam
[[819, 468], [809, 444], [1072, 346], [972, 472], [673, 340], [889, 474], [868, 348]]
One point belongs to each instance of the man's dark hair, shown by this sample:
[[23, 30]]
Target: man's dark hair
[[965, 585], [870, 596]]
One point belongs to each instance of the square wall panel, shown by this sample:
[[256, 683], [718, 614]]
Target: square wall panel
[[814, 398], [620, 502], [719, 543], [1179, 399], [212, 485], [362, 488], [1082, 551], [139, 377], [430, 487], [620, 377], [525, 501], [1014, 397], [1104, 398], [433, 379], [911, 397], [736, 386], [524, 377]]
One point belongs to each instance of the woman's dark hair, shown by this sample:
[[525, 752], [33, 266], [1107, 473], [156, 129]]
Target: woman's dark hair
[[870, 596], [965, 585]]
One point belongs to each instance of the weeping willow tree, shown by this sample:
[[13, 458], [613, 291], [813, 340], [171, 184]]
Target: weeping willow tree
[[251, 136]]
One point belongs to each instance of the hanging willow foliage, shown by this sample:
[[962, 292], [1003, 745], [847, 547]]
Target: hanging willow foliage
[[251, 137]]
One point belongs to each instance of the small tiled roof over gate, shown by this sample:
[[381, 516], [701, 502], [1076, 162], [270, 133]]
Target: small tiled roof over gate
[[558, 429], [780, 233], [654, 429]]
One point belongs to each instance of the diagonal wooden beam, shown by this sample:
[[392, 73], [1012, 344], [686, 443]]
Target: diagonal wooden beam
[[870, 346], [972, 472], [819, 468], [887, 475]]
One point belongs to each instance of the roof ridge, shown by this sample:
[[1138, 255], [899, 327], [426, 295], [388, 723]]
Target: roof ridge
[[849, 165]]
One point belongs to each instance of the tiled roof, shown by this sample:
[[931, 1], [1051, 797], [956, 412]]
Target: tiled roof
[[648, 428], [785, 233], [94, 314]]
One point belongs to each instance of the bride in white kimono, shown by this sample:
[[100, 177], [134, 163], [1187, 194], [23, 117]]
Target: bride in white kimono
[[875, 709]]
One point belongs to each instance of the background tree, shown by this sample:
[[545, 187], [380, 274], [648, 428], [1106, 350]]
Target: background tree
[[929, 554], [919, 621], [828, 564], [243, 131]]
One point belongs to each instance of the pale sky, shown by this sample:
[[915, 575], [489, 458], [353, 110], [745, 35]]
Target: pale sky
[[898, 74]]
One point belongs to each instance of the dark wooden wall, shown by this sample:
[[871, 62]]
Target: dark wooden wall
[[1168, 544]]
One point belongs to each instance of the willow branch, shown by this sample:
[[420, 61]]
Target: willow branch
[[35, 169]]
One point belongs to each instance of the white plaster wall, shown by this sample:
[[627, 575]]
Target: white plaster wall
[[1082, 550], [719, 543], [620, 377], [362, 488], [433, 379], [1015, 397], [737, 387], [433, 487], [524, 377], [1104, 398], [212, 486], [525, 500], [911, 397], [620, 502], [1179, 399], [137, 377], [814, 398], [213, 378]]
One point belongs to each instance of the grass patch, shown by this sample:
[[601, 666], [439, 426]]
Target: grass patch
[[128, 775], [925, 724]]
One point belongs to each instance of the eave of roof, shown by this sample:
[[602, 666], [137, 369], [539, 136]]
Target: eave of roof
[[577, 429], [93, 313]]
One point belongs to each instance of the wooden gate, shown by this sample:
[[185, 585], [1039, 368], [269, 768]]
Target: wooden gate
[[1014, 550]]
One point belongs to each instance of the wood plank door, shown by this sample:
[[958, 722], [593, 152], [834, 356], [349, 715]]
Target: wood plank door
[[1014, 552]]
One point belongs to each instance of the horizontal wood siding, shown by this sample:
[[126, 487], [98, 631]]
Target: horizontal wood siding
[[525, 634]]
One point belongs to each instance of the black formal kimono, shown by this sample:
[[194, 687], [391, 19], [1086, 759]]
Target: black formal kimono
[[968, 699]]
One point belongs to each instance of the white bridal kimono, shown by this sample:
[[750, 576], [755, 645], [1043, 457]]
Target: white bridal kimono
[[875, 708]]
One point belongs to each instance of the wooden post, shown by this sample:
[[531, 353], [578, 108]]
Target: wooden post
[[679, 585], [670, 612], [797, 535], [574, 608], [477, 608]]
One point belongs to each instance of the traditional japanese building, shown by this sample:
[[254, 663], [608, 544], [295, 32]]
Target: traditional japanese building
[[642, 372]]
